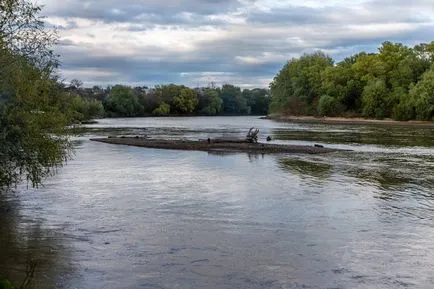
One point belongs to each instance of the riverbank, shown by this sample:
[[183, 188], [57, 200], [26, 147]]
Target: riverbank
[[349, 121], [259, 148]]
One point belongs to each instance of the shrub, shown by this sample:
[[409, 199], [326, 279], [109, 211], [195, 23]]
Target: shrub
[[329, 106], [162, 109]]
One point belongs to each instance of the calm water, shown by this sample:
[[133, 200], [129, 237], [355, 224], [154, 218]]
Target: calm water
[[126, 217]]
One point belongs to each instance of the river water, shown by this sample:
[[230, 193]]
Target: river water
[[128, 217]]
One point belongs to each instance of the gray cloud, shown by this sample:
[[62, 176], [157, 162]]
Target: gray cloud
[[246, 41], [152, 11]]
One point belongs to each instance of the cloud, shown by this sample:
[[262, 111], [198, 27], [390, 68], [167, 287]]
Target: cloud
[[244, 42]]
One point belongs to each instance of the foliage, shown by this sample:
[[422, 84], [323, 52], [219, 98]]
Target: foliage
[[297, 87], [121, 101], [210, 102], [162, 110], [233, 102], [422, 97], [395, 82], [124, 101], [374, 95], [341, 82], [22, 32], [328, 106], [258, 100], [33, 136], [82, 109], [186, 101]]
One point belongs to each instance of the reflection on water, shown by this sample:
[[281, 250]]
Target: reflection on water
[[380, 135], [27, 248], [128, 217], [312, 168]]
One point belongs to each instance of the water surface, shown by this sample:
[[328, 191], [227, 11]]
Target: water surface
[[126, 217]]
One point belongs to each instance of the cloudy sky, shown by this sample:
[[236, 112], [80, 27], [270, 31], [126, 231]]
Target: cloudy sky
[[244, 42]]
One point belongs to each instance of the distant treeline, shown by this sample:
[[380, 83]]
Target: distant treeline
[[396, 82], [165, 100]]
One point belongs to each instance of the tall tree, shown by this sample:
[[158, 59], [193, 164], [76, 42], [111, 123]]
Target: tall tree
[[186, 100], [32, 126], [297, 86], [121, 101]]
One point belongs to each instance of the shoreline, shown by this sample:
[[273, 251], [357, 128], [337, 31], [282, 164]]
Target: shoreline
[[258, 148], [349, 121]]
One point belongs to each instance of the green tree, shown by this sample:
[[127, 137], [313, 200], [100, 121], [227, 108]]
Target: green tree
[[425, 52], [422, 97], [162, 110], [82, 109], [33, 136], [186, 101], [329, 106], [341, 83], [297, 87], [258, 100], [121, 101], [231, 96], [374, 95], [150, 101], [210, 102], [369, 67]]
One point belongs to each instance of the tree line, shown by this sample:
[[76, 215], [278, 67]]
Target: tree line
[[396, 82], [165, 100]]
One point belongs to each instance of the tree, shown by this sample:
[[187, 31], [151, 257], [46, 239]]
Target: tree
[[282, 90], [121, 101], [257, 100], [76, 84], [374, 94], [298, 84], [395, 82], [329, 106], [33, 136], [186, 101], [229, 94], [425, 52], [162, 110], [23, 33], [28, 122], [402, 64], [149, 101], [422, 96], [84, 109], [341, 83], [369, 67], [210, 102]]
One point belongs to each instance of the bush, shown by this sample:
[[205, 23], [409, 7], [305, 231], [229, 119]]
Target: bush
[[374, 95], [422, 96], [329, 106], [162, 110], [84, 109]]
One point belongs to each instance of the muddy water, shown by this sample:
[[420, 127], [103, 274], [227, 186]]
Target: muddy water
[[125, 217]]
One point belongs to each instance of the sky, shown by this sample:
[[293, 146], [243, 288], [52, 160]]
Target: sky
[[241, 42]]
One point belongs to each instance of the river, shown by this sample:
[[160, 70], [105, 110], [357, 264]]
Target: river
[[128, 217]]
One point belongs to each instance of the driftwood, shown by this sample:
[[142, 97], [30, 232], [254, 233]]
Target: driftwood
[[252, 135]]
